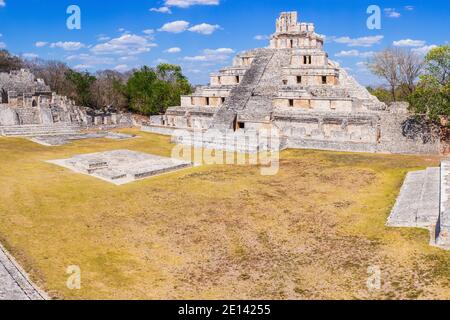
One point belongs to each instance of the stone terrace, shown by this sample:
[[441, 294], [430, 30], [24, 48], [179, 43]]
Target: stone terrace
[[121, 166]]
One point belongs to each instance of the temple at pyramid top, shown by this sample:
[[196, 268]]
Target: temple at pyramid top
[[291, 34]]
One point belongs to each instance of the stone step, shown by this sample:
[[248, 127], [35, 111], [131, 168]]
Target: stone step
[[241, 94], [38, 130], [418, 202]]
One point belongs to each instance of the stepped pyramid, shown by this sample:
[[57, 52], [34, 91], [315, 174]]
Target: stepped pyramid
[[293, 88]]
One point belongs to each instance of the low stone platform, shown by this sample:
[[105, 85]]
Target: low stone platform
[[418, 203], [121, 166], [14, 283], [424, 202], [60, 140]]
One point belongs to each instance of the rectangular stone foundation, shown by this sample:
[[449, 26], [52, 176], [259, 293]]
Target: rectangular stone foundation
[[121, 166]]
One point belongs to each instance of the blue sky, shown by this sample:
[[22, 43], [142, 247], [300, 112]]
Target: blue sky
[[203, 35]]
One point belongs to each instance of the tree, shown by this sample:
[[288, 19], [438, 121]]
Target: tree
[[438, 63], [152, 91], [54, 73], [82, 82], [385, 65], [400, 68], [411, 66], [9, 62], [432, 96], [106, 90], [381, 93]]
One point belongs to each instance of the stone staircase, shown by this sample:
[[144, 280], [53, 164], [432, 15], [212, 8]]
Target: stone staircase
[[418, 203], [242, 141], [39, 130], [241, 94], [259, 107], [424, 202]]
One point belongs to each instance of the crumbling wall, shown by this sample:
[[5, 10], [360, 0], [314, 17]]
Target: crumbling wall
[[403, 133], [329, 131]]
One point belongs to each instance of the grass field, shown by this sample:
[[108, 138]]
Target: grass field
[[213, 232]]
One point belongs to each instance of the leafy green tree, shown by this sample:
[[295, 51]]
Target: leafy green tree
[[82, 82], [431, 98], [438, 63], [152, 91], [432, 95]]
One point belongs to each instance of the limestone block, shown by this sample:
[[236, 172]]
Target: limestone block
[[8, 117], [46, 115]]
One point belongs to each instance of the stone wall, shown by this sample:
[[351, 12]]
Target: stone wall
[[370, 132], [329, 131], [402, 133]]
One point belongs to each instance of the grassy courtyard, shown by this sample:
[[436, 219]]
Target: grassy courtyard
[[212, 232]]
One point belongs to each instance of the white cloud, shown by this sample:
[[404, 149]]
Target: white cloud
[[161, 10], [204, 28], [122, 68], [148, 31], [189, 3], [68, 45], [90, 60], [127, 44], [160, 61], [41, 44], [173, 50], [30, 55], [360, 42], [409, 8], [261, 37], [102, 38], [175, 26], [82, 67], [212, 55], [182, 26], [392, 13], [409, 43], [354, 53], [423, 50], [2, 45], [2, 3]]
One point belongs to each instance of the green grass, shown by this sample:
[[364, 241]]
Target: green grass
[[216, 232]]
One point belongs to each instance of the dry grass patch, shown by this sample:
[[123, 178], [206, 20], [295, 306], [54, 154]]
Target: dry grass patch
[[214, 232]]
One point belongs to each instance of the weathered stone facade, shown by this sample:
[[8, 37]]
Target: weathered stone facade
[[293, 87], [28, 107], [26, 100]]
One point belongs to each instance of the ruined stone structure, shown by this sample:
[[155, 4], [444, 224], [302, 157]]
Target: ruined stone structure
[[424, 203], [122, 166], [292, 86], [28, 107]]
